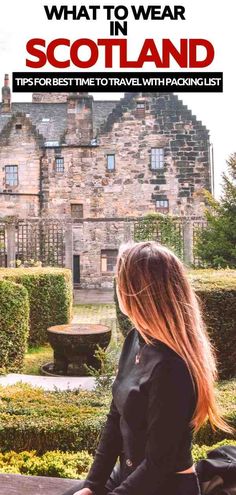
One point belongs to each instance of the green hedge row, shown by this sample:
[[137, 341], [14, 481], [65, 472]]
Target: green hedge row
[[217, 292], [34, 419], [14, 326], [73, 465], [226, 399], [50, 297], [52, 463]]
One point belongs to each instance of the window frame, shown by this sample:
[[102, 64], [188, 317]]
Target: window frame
[[157, 158], [71, 210], [114, 161], [162, 208], [7, 184], [140, 110], [56, 163], [103, 255], [140, 105]]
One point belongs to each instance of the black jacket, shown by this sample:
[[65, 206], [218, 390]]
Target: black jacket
[[148, 422]]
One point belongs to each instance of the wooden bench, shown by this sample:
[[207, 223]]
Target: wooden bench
[[18, 484]]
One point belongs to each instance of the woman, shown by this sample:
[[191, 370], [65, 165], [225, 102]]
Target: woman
[[164, 388]]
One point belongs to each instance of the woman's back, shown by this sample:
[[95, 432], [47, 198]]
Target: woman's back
[[155, 398], [152, 405], [164, 388]]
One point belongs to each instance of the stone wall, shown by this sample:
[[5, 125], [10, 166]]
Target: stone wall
[[20, 145], [131, 190], [89, 238]]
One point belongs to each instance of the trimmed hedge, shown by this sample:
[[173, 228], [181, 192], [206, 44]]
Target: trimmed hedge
[[50, 297], [217, 292], [73, 465], [226, 399], [52, 463], [34, 419], [14, 326]]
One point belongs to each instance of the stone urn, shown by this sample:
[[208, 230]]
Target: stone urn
[[75, 344]]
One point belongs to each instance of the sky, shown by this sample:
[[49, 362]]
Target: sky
[[211, 19]]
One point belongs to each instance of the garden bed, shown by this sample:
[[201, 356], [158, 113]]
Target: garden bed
[[73, 465], [34, 419]]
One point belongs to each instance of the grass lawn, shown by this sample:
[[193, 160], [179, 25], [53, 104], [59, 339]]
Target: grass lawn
[[35, 357]]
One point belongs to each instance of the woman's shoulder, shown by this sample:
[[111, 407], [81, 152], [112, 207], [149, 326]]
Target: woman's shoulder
[[131, 334], [164, 355], [174, 373], [128, 342]]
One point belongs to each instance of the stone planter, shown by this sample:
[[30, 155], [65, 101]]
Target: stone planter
[[75, 344]]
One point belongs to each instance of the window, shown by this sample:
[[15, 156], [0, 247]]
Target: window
[[157, 158], [18, 127], [110, 162], [11, 175], [108, 260], [140, 109], [162, 205], [59, 164], [77, 211], [51, 144]]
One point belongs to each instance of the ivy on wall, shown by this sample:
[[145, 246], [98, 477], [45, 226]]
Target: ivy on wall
[[161, 228]]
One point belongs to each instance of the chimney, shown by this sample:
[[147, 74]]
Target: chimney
[[79, 119], [6, 95]]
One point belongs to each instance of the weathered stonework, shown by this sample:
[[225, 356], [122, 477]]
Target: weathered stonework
[[82, 132], [21, 147]]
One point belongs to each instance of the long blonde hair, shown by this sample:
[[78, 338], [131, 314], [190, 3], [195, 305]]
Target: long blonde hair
[[157, 297]]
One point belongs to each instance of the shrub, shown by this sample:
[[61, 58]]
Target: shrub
[[226, 399], [217, 292], [50, 297], [70, 464], [52, 463], [34, 419], [14, 326], [108, 359], [161, 227]]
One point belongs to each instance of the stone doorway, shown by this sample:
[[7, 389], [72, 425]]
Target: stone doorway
[[76, 270]]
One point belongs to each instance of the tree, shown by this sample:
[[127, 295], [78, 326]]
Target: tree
[[216, 245]]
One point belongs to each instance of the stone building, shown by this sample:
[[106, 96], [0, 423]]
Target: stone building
[[97, 164]]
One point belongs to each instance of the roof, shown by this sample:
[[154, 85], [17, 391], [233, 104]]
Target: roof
[[50, 119]]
